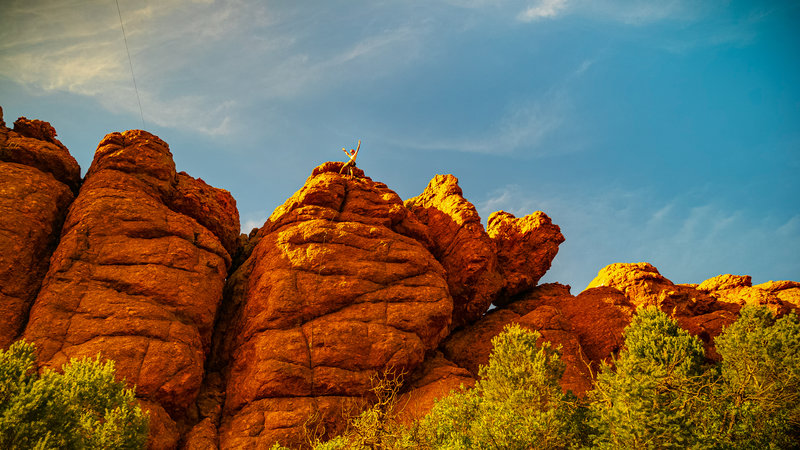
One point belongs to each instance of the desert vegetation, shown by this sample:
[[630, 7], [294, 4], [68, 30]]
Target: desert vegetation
[[82, 408], [658, 392]]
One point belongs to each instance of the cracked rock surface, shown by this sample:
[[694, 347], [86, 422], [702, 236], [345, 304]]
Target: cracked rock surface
[[138, 275], [339, 286]]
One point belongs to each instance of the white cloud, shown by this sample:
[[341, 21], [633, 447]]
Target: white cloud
[[303, 71], [79, 48], [543, 9]]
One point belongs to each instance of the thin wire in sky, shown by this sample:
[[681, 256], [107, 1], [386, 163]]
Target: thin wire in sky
[[130, 62]]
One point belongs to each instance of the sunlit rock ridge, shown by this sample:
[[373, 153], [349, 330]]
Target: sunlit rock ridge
[[235, 341]]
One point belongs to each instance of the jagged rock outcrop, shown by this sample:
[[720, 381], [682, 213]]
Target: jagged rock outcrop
[[525, 246], [596, 316], [462, 245], [339, 286], [38, 179], [643, 285], [138, 275]]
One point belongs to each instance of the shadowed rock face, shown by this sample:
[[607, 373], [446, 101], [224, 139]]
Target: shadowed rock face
[[470, 346], [37, 179], [462, 246], [138, 275], [340, 285], [436, 378]]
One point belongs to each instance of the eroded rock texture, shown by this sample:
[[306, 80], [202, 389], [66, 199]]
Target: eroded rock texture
[[138, 276], [525, 246], [340, 285], [461, 244], [38, 180]]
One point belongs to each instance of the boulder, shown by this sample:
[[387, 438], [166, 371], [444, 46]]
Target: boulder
[[339, 286], [471, 346], [525, 247], [202, 436], [138, 275], [462, 246], [690, 305], [37, 180]]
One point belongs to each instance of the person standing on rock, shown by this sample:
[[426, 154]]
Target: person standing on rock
[[352, 154]]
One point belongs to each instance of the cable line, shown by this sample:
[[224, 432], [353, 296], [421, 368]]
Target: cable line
[[130, 62]]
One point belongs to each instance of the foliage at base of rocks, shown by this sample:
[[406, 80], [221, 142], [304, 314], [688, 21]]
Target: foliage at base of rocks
[[517, 403], [659, 392], [83, 408]]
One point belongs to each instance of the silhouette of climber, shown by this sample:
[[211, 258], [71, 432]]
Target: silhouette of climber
[[352, 154]]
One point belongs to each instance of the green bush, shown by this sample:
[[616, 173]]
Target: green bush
[[650, 396], [83, 408], [756, 402], [517, 403], [659, 392]]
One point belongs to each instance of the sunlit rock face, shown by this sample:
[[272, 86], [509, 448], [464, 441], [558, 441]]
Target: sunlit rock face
[[526, 247], [341, 284], [138, 275], [461, 244]]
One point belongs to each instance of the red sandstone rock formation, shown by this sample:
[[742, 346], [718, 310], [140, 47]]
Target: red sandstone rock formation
[[37, 179], [525, 248], [462, 246], [138, 276], [343, 281], [340, 285]]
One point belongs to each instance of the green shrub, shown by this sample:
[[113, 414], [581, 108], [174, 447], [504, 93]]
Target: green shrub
[[755, 403], [517, 403], [83, 408], [657, 393], [653, 393]]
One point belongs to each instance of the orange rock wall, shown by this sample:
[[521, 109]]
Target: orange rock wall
[[138, 277], [38, 180]]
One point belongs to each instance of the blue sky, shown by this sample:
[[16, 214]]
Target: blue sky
[[658, 131]]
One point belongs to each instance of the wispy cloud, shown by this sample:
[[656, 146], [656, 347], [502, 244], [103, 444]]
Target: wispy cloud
[[523, 126], [306, 70], [78, 48], [190, 59], [543, 9], [632, 12]]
